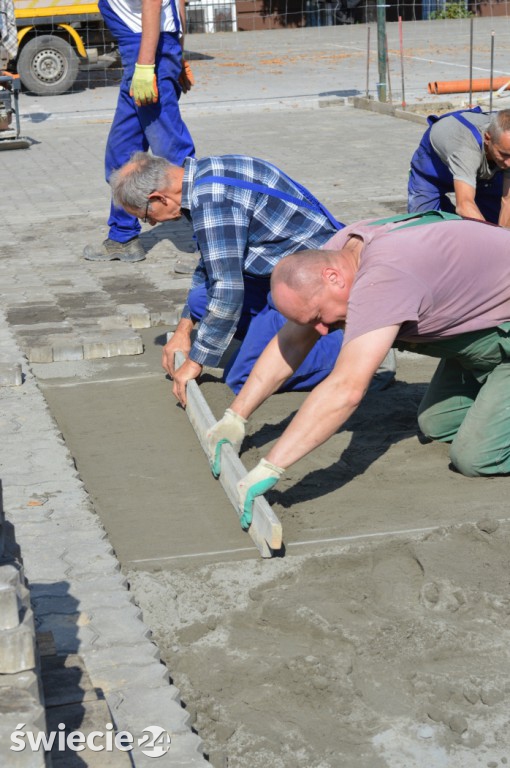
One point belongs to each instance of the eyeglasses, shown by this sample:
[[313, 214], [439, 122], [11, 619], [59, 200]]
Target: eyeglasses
[[145, 217]]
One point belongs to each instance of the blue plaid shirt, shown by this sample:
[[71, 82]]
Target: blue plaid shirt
[[238, 232]]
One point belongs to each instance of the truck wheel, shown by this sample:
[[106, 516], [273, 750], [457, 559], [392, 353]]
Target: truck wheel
[[47, 65]]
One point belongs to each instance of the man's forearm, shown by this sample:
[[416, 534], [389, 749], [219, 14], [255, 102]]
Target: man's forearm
[[182, 16], [335, 399], [151, 24], [324, 411], [282, 356], [469, 210], [184, 327], [465, 200]]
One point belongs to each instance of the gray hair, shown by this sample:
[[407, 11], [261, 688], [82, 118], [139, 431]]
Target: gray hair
[[136, 180], [499, 123]]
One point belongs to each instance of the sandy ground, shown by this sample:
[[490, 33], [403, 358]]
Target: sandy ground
[[383, 651]]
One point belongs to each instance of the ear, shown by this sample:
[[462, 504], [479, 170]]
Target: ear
[[157, 195], [333, 276]]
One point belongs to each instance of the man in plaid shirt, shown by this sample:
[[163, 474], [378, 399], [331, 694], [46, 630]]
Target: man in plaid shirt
[[246, 215]]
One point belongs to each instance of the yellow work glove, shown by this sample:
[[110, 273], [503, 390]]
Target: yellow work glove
[[186, 79], [144, 89]]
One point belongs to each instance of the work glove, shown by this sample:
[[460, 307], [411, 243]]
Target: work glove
[[230, 429], [186, 78], [144, 89], [256, 483]]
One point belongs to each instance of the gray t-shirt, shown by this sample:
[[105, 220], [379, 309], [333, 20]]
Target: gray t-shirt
[[459, 150], [434, 280]]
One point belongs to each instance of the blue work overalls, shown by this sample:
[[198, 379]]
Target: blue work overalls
[[430, 180], [158, 126], [260, 321]]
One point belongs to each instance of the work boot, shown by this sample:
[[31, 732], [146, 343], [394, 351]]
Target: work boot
[[111, 250], [186, 265]]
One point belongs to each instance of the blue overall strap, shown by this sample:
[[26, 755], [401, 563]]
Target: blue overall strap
[[311, 203], [177, 20], [474, 130], [431, 119], [459, 115]]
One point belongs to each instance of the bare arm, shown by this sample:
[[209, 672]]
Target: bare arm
[[465, 200], [181, 340], [282, 356], [335, 399], [182, 16], [151, 22], [504, 214]]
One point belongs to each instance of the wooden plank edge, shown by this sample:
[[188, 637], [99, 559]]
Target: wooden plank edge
[[265, 529]]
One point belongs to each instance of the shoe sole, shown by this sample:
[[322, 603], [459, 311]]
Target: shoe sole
[[93, 257]]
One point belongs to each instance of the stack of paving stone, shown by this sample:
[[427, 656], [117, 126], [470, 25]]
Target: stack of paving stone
[[21, 704]]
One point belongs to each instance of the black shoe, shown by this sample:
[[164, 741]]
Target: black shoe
[[186, 265], [111, 250]]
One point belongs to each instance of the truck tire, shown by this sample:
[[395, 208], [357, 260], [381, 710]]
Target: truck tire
[[47, 65]]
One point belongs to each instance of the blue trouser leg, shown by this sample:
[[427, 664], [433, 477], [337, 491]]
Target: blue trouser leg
[[158, 126], [488, 197], [259, 322], [315, 367]]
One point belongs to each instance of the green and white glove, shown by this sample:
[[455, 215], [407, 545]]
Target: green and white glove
[[230, 429], [144, 88], [256, 483]]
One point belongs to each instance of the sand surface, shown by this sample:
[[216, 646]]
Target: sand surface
[[380, 650]]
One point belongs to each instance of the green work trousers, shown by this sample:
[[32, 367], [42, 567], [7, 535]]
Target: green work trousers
[[467, 402]]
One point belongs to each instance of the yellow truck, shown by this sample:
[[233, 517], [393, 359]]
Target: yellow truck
[[55, 38]]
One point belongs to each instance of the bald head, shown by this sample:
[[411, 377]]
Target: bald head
[[139, 177], [302, 271]]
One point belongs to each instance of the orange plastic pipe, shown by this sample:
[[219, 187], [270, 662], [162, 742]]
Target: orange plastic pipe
[[463, 86]]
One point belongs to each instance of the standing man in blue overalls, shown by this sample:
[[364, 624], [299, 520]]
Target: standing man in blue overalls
[[150, 36], [466, 153]]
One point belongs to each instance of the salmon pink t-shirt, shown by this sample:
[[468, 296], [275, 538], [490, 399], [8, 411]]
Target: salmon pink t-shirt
[[434, 280]]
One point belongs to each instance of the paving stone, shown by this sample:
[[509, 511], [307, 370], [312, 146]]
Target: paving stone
[[112, 322], [169, 317], [154, 707], [9, 607], [111, 344], [122, 676], [17, 646], [96, 586], [27, 680], [74, 632], [10, 375], [100, 659], [42, 353], [67, 351], [137, 315]]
